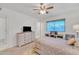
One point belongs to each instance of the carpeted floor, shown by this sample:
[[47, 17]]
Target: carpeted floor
[[24, 50]]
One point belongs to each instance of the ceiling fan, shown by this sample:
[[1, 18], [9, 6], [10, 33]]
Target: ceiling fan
[[43, 8]]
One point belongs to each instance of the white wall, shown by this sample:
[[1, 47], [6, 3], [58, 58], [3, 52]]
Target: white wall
[[15, 22], [70, 20]]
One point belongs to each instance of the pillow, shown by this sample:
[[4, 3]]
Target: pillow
[[71, 41]]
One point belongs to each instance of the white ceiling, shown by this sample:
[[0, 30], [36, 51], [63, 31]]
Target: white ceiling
[[27, 8]]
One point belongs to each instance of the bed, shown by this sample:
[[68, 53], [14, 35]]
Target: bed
[[54, 46]]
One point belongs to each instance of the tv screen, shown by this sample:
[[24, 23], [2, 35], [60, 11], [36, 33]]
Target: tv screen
[[26, 28], [56, 25]]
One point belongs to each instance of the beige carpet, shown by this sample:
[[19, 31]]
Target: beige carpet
[[24, 50]]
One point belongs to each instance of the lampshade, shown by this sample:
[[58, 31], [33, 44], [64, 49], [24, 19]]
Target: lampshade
[[76, 27]]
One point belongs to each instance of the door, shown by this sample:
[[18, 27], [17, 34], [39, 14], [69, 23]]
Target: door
[[2, 33]]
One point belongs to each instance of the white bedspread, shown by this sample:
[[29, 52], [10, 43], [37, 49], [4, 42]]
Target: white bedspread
[[61, 44]]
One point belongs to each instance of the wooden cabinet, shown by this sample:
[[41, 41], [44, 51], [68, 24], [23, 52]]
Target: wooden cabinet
[[24, 38]]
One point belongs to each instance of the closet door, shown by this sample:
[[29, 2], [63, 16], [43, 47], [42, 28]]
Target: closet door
[[2, 29], [2, 33]]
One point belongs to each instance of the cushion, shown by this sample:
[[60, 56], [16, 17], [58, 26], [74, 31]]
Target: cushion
[[71, 41]]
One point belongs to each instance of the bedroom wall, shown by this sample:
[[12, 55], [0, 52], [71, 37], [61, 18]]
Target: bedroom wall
[[15, 21], [70, 20]]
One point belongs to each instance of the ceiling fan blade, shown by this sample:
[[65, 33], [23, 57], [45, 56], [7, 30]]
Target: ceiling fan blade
[[50, 7]]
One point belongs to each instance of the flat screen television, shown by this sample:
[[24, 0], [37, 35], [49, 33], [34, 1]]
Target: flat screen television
[[26, 28], [56, 25]]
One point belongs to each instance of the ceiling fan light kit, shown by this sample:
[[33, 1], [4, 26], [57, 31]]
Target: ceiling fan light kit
[[42, 12]]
